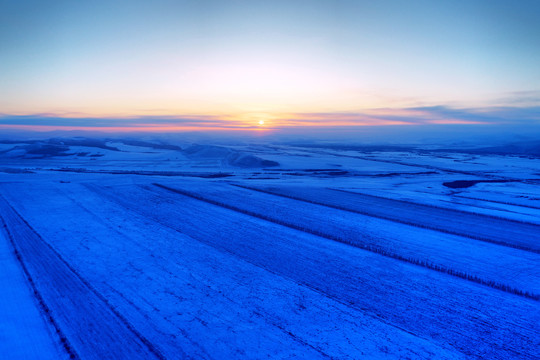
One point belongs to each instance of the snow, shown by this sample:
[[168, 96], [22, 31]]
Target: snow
[[195, 276], [75, 308], [493, 263], [24, 332], [145, 250]]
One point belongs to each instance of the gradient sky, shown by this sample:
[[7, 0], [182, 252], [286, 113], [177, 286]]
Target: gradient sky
[[238, 62]]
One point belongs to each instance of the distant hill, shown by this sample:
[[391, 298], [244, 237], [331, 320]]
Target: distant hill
[[228, 156]]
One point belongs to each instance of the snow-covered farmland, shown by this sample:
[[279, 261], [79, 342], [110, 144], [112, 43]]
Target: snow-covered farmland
[[124, 249]]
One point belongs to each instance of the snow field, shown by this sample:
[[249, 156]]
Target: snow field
[[24, 332], [422, 301], [87, 326], [509, 268], [207, 303], [506, 232]]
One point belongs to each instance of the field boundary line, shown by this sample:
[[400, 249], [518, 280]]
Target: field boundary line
[[344, 208], [374, 249]]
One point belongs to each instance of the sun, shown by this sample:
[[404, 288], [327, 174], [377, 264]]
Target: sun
[[261, 122]]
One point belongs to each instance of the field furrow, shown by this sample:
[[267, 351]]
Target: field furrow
[[197, 301], [496, 230], [90, 327], [25, 331], [472, 318], [501, 267]]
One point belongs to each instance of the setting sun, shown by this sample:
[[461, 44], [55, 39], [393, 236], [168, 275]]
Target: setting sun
[[261, 122]]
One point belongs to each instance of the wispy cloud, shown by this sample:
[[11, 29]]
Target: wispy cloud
[[423, 116], [416, 116], [520, 98], [492, 115]]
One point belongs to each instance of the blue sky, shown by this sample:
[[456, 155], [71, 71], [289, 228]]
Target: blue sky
[[244, 61]]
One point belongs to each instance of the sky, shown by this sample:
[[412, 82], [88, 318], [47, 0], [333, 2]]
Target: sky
[[168, 65]]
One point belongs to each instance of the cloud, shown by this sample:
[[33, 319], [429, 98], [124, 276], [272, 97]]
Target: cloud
[[424, 116], [143, 123], [492, 115], [429, 115], [520, 98]]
